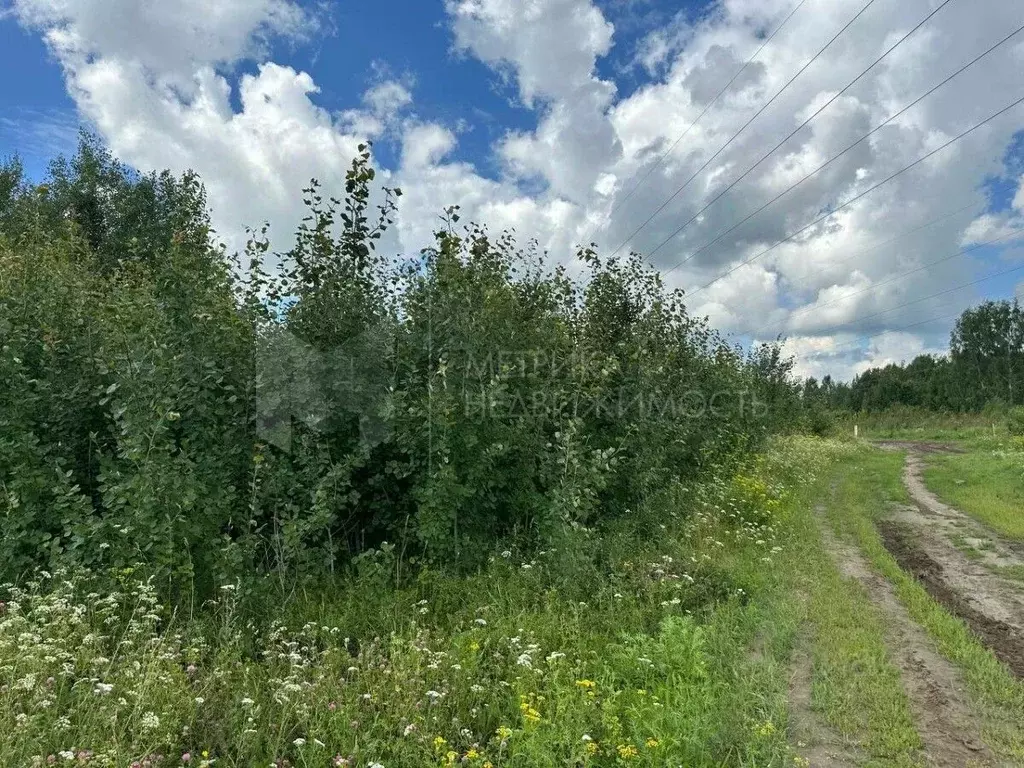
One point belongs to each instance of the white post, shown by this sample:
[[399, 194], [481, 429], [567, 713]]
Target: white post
[[855, 430]]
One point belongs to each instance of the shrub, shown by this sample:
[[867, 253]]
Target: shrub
[[208, 421], [1015, 420]]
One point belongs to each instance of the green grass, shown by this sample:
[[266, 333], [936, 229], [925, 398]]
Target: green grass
[[662, 640], [666, 639], [986, 483], [864, 490], [855, 686]]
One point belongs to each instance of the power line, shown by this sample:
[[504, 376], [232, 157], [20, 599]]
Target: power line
[[901, 329], [859, 196], [745, 125], [894, 278], [828, 162], [657, 163], [796, 130], [948, 215], [840, 326]]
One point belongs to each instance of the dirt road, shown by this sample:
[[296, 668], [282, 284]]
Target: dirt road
[[923, 538], [949, 730]]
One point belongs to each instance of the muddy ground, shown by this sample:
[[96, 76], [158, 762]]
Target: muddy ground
[[923, 540]]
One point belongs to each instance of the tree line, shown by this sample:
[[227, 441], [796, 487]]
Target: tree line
[[202, 415], [984, 368]]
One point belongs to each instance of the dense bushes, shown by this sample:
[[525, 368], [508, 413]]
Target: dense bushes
[[160, 405]]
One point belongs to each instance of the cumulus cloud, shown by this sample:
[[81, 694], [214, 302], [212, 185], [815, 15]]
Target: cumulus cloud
[[156, 80]]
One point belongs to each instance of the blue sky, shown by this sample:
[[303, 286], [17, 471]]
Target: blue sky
[[361, 43], [542, 116]]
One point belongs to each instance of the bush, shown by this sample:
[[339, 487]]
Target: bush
[[164, 407], [1015, 420]]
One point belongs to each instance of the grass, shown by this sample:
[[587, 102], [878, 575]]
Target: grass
[[986, 482], [855, 687], [864, 490], [663, 640], [666, 639]]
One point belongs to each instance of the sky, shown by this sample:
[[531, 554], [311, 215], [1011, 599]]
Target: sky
[[751, 150]]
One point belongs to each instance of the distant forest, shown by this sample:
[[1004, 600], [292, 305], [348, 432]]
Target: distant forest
[[984, 368]]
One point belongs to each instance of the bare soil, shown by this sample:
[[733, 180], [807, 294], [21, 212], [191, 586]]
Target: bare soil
[[949, 730], [922, 540], [814, 740], [918, 446], [1002, 638]]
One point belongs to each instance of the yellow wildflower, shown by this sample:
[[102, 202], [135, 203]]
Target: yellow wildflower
[[766, 728], [627, 751], [586, 684], [503, 732], [439, 743], [652, 743]]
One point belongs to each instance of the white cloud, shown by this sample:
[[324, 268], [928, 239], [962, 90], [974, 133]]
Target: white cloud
[[155, 80]]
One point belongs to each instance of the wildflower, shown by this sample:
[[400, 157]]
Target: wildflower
[[103, 689], [409, 729], [434, 695], [150, 721], [504, 732], [586, 685], [299, 742], [187, 757], [472, 753], [481, 621], [766, 728], [627, 751], [506, 554], [338, 761], [530, 715], [439, 743], [591, 748], [652, 743], [247, 702], [524, 660]]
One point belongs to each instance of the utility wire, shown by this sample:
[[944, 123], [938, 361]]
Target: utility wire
[[744, 127], [948, 215], [861, 195], [661, 159], [840, 326], [963, 251], [901, 329], [794, 132]]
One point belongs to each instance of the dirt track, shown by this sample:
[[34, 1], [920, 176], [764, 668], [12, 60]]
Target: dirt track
[[950, 732], [921, 538]]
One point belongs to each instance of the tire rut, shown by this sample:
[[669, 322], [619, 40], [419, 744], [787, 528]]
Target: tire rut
[[920, 538], [813, 739], [945, 721]]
